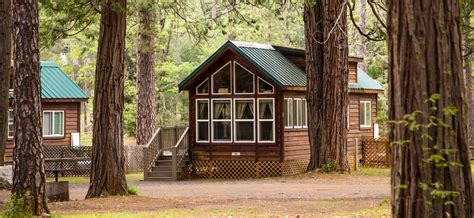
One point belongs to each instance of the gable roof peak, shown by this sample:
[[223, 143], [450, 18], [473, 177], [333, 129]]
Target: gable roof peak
[[252, 45]]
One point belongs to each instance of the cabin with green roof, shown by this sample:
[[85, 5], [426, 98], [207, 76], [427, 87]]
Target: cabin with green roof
[[248, 113], [61, 100]]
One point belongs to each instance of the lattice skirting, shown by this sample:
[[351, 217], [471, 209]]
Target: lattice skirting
[[243, 169]]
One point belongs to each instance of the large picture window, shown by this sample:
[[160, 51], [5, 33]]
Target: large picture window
[[244, 120], [222, 120], [11, 132], [266, 120], [243, 80], [365, 114], [221, 80], [53, 123], [202, 120], [299, 113], [288, 113]]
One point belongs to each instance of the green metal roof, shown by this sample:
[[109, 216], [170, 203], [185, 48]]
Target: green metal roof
[[55, 84], [364, 81], [276, 66]]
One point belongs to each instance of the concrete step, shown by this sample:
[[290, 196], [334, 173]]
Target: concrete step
[[160, 174], [160, 179]]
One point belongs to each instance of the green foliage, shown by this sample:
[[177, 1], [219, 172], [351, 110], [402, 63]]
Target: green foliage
[[328, 167], [16, 206], [132, 190]]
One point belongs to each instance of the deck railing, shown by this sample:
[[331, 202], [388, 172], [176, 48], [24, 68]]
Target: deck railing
[[179, 152], [164, 139]]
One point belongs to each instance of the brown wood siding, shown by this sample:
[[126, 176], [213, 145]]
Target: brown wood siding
[[356, 133], [72, 124], [296, 142], [352, 72], [223, 151]]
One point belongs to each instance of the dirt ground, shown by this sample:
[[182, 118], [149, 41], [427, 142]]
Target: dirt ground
[[310, 194]]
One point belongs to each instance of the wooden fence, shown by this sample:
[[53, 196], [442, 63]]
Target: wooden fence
[[376, 153]]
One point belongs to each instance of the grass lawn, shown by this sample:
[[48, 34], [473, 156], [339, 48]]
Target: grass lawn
[[131, 177]]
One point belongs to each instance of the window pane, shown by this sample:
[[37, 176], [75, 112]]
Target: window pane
[[299, 113], [47, 123], [203, 112], [243, 80], [266, 130], [305, 113], [244, 131], [244, 109], [222, 80], [367, 114], [221, 109], [203, 131], [10, 117], [289, 112], [264, 87], [222, 131], [203, 88], [58, 123], [266, 109], [10, 130]]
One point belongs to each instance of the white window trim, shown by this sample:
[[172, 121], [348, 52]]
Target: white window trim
[[197, 93], [8, 124], [258, 87], [226, 120], [52, 130], [297, 112], [230, 77], [286, 100], [370, 117], [259, 120], [244, 120], [305, 117], [203, 120], [233, 81]]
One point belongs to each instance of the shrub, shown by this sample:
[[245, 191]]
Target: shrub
[[16, 206], [328, 167], [132, 190]]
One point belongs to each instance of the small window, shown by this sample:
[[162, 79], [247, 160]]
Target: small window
[[203, 89], [53, 123], [222, 120], [202, 120], [288, 113], [264, 87], [299, 113], [266, 120], [365, 114], [221, 80], [243, 80], [244, 120], [11, 132]]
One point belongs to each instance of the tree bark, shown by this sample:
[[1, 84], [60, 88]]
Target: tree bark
[[327, 72], [468, 69], [108, 159], [146, 104], [431, 174], [28, 164], [5, 71]]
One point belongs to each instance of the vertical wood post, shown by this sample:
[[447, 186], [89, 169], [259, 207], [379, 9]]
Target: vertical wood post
[[174, 164], [145, 163], [356, 155]]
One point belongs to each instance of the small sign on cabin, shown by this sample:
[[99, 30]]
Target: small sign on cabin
[[235, 153]]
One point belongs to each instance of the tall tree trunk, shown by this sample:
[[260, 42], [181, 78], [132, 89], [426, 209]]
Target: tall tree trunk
[[146, 104], [5, 71], [214, 11], [363, 27], [327, 72], [28, 164], [431, 174], [108, 159], [468, 68]]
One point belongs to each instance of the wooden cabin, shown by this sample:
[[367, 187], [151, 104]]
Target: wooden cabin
[[61, 100], [248, 115]]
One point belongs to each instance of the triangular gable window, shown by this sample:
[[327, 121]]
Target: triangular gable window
[[264, 87], [221, 80], [244, 80]]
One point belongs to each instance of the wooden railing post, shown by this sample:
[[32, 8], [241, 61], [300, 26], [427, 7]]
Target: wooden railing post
[[145, 163], [174, 164]]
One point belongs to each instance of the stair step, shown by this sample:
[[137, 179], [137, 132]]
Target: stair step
[[160, 179], [161, 168], [163, 163], [162, 157]]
